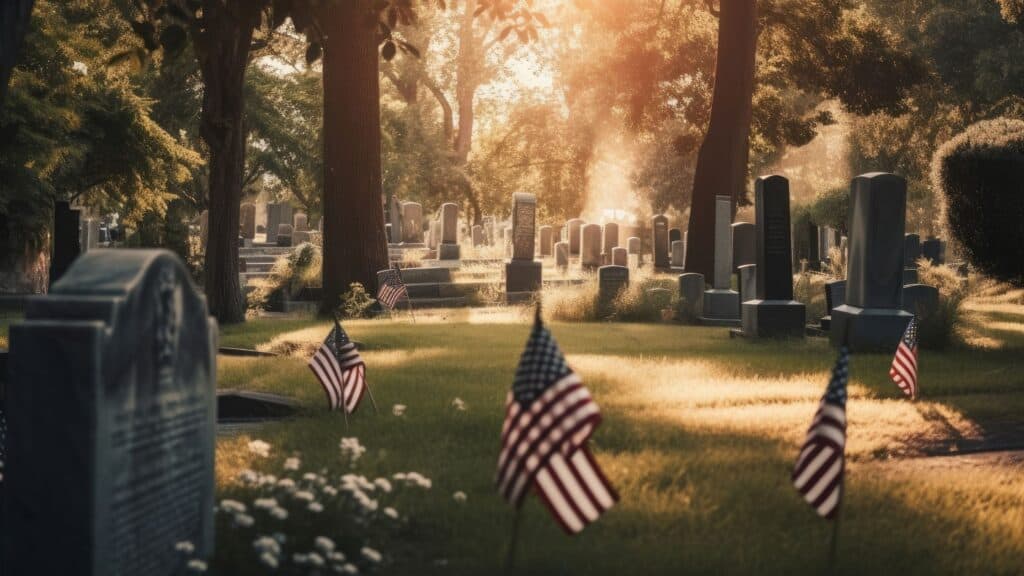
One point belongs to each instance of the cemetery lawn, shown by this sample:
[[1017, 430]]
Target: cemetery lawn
[[699, 437]]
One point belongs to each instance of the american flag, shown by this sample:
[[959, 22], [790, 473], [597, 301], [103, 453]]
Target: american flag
[[818, 474], [904, 365], [340, 369], [549, 418], [392, 289]]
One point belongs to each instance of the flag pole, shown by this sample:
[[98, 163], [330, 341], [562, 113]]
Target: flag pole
[[833, 550], [372, 401], [513, 540]]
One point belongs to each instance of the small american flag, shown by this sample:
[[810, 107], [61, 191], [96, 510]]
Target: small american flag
[[904, 365], [340, 369], [392, 289], [818, 474], [549, 418]]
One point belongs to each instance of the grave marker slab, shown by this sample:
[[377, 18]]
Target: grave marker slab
[[659, 241], [691, 296], [590, 250], [522, 273], [611, 241], [610, 281], [562, 256], [773, 312], [247, 217], [573, 230], [412, 223], [744, 244], [619, 256], [871, 318], [111, 417], [678, 253], [911, 250], [721, 303], [545, 241]]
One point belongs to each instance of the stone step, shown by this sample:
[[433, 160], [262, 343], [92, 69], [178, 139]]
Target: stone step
[[419, 303], [426, 275], [263, 250], [258, 266]]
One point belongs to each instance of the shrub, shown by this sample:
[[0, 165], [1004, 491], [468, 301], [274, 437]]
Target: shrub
[[832, 208], [298, 269], [980, 174], [641, 301], [810, 289], [357, 302], [938, 329]]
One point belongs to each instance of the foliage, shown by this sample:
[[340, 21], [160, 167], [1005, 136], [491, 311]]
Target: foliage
[[832, 208], [809, 288], [299, 269], [73, 129], [644, 300], [938, 329], [980, 174], [357, 302]]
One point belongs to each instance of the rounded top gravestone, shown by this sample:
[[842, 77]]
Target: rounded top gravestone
[[112, 413]]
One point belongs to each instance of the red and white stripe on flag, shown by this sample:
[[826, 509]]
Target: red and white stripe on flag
[[543, 446], [343, 381], [904, 369], [818, 475]]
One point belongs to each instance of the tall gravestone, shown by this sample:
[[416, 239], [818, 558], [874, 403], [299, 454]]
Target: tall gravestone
[[277, 214], [523, 273], [562, 256], [572, 235], [449, 248], [633, 246], [590, 247], [674, 235], [911, 253], [835, 295], [678, 254], [111, 415], [545, 241], [744, 244], [610, 241], [412, 223], [395, 219], [691, 296], [871, 318], [556, 235], [773, 313], [478, 235], [66, 239], [300, 222], [620, 256], [659, 241], [721, 302]]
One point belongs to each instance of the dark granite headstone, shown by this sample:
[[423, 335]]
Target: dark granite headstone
[[920, 300], [691, 296], [748, 282], [610, 281], [872, 319], [674, 235], [934, 250], [590, 246], [111, 415], [522, 274], [247, 221], [744, 244], [284, 234], [659, 240], [66, 239], [774, 312], [277, 214], [911, 250]]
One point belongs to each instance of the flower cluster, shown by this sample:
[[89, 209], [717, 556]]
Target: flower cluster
[[296, 500]]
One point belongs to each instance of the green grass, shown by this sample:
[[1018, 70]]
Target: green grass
[[699, 436]]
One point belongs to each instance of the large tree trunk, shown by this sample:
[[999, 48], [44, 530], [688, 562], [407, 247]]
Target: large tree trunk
[[224, 58], [722, 161], [355, 243], [14, 19]]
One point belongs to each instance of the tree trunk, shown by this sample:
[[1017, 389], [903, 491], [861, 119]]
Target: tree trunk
[[224, 58], [722, 161], [466, 83], [355, 242], [14, 19]]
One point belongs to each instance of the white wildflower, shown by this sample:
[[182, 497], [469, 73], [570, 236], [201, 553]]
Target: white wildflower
[[279, 513], [265, 503], [248, 477], [459, 404], [316, 559], [391, 513], [267, 480], [269, 560], [259, 448], [300, 559], [232, 506], [324, 544], [349, 569], [336, 557], [244, 520], [304, 495], [185, 547], [352, 449], [80, 67], [309, 477], [315, 507], [330, 490], [267, 544], [292, 463], [286, 484], [398, 410], [197, 566], [371, 554], [383, 484], [459, 497]]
